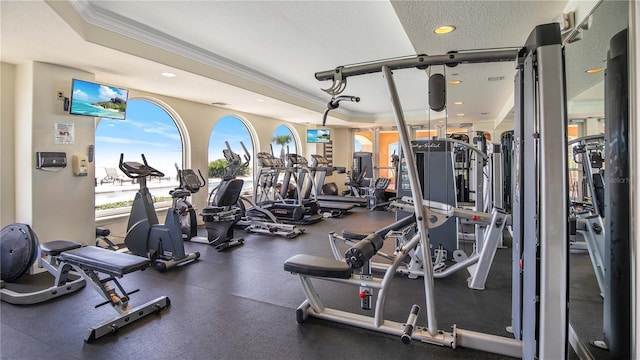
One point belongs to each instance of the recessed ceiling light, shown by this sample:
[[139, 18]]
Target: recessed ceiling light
[[441, 30], [594, 70], [458, 103], [460, 115], [168, 74], [455, 82], [260, 100]]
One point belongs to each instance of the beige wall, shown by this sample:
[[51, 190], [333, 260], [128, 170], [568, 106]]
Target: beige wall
[[61, 206], [7, 130], [57, 204]]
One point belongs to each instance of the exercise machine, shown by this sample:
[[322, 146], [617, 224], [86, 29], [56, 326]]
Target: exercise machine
[[243, 212], [506, 147], [588, 210], [102, 237], [360, 176], [377, 194], [19, 249], [618, 259], [477, 264], [329, 191], [97, 266], [255, 219], [162, 243], [281, 197], [191, 182], [540, 213], [222, 212], [309, 187]]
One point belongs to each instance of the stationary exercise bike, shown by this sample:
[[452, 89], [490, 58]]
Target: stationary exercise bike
[[146, 237]]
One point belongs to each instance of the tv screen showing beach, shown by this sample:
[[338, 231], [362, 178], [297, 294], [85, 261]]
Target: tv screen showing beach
[[91, 99], [318, 136]]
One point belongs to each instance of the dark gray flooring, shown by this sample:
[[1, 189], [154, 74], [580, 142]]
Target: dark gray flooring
[[240, 304]]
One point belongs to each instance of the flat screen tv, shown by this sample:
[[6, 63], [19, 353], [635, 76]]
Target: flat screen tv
[[91, 99], [318, 135]]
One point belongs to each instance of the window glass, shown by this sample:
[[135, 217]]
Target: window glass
[[233, 131], [148, 129], [282, 139], [363, 141]]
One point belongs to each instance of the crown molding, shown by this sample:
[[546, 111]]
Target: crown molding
[[109, 21]]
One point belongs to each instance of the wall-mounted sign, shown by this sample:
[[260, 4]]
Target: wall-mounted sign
[[63, 134]]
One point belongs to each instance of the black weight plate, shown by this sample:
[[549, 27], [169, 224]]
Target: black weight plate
[[18, 251]]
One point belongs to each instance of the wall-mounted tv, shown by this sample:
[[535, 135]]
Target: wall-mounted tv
[[318, 135], [91, 99]]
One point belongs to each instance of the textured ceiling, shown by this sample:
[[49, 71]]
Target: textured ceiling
[[239, 52]]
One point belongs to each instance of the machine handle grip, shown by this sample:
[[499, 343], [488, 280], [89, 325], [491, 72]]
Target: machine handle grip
[[204, 182], [247, 156], [407, 330]]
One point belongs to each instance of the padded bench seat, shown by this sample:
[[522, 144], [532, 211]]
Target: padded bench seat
[[317, 266], [54, 248], [105, 261]]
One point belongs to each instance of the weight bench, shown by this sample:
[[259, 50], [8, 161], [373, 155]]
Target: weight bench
[[19, 251], [90, 262]]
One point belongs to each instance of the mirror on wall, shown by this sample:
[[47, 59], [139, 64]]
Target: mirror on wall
[[585, 63]]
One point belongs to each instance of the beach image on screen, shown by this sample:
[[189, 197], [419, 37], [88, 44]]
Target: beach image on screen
[[98, 100], [318, 136]]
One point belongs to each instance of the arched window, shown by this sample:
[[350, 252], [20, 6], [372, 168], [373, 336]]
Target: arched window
[[148, 129], [231, 130], [363, 141], [283, 141]]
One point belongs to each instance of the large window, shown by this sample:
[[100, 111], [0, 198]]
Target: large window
[[148, 129], [283, 142], [363, 141], [233, 131]]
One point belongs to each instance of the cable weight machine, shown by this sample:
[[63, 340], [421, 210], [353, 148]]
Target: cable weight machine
[[539, 309]]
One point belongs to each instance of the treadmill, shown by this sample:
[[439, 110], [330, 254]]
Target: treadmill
[[306, 183], [320, 165], [286, 210]]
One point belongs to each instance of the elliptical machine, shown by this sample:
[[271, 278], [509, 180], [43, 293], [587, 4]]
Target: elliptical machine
[[145, 235], [186, 212]]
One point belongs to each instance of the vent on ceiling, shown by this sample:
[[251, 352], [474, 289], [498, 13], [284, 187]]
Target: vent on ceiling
[[496, 78], [466, 125], [219, 103]]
